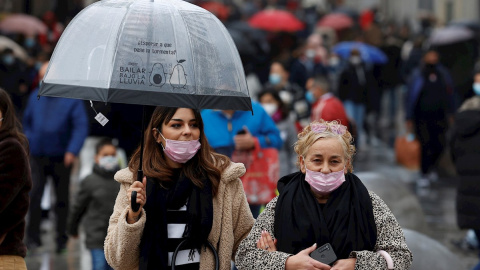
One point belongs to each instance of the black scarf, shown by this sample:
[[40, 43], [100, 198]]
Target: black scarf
[[153, 246], [346, 220]]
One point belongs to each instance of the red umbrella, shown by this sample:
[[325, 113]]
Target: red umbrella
[[366, 19], [336, 21], [276, 20], [24, 24], [218, 9]]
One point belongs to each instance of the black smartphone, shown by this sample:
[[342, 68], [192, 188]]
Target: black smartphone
[[324, 254], [242, 131]]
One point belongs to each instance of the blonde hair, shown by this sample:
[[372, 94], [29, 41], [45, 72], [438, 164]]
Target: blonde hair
[[308, 137]]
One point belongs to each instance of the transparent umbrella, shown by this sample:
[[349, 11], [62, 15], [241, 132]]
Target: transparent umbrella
[[161, 53]]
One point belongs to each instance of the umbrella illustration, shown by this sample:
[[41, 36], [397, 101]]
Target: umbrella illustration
[[450, 35], [336, 21], [276, 20], [368, 53], [24, 24], [160, 53]]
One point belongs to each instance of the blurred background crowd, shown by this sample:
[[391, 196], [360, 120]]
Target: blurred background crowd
[[369, 64]]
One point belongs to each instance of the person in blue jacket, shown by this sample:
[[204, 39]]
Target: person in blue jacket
[[56, 129], [230, 130]]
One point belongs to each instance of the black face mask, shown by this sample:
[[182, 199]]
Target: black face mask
[[429, 69]]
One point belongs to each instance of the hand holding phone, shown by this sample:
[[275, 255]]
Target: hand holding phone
[[324, 254], [241, 132]]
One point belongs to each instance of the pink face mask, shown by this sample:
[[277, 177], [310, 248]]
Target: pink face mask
[[324, 183], [180, 151]]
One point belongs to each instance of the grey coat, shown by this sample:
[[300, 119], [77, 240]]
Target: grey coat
[[93, 206]]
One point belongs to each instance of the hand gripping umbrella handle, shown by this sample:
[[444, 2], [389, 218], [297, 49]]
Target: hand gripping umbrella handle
[[133, 199]]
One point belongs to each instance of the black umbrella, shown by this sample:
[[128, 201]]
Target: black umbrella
[[161, 53]]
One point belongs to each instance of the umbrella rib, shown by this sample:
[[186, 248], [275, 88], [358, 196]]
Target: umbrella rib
[[197, 106], [120, 31]]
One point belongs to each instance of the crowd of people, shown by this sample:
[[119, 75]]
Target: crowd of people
[[313, 106]]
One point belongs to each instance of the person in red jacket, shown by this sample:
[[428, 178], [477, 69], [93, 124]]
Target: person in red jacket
[[324, 104]]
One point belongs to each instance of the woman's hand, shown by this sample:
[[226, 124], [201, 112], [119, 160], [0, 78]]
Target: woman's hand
[[139, 187], [303, 261], [266, 242], [244, 141], [345, 264]]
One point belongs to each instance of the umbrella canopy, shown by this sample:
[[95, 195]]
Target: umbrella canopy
[[18, 50], [366, 19], [450, 35], [23, 24], [161, 53], [336, 21], [276, 20], [368, 53]]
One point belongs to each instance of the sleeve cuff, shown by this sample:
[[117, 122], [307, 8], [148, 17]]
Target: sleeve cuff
[[387, 258], [137, 226]]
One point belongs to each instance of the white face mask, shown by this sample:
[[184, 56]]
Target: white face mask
[[270, 108], [310, 53], [109, 163], [355, 60], [334, 61]]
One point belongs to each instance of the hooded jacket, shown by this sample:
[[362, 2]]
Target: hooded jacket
[[465, 145], [232, 221]]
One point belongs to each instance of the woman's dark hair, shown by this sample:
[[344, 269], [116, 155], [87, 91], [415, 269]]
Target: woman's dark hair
[[281, 105], [10, 123], [206, 164]]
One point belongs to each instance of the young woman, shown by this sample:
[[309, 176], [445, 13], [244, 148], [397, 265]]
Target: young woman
[[189, 193], [324, 203], [15, 183]]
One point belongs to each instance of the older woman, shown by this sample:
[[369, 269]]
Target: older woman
[[189, 194], [324, 203]]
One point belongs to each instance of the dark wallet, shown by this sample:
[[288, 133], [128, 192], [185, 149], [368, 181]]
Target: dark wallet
[[324, 254]]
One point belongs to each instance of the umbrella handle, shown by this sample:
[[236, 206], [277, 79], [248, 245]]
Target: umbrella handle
[[134, 205]]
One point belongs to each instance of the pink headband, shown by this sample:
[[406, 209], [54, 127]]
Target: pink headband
[[335, 128]]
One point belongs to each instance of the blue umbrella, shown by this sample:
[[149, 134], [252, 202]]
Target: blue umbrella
[[368, 53]]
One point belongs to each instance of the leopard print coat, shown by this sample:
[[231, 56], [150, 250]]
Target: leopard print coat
[[389, 238]]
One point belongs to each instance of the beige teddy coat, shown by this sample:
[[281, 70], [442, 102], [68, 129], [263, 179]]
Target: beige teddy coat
[[232, 222]]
